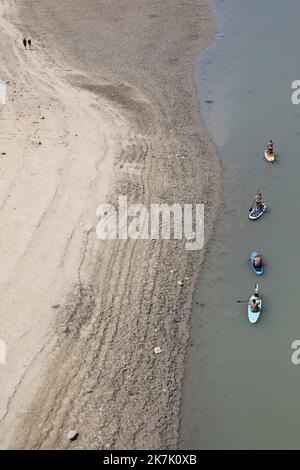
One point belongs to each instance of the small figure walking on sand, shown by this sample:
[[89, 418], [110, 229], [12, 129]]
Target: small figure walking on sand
[[29, 43], [24, 43]]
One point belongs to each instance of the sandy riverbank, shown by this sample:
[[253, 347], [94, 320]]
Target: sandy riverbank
[[103, 105]]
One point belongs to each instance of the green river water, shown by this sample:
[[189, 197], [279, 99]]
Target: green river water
[[241, 387]]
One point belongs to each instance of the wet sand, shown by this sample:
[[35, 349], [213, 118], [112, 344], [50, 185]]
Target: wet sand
[[103, 105]]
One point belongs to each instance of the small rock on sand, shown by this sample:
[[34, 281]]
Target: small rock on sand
[[72, 435], [157, 350]]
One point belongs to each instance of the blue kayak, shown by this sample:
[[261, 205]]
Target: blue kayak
[[259, 271], [256, 214]]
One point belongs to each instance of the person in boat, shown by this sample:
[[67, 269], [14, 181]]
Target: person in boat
[[259, 202], [257, 261], [270, 147], [254, 304]]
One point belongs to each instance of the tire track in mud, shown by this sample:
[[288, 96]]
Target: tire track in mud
[[104, 379], [43, 81], [111, 322], [121, 257]]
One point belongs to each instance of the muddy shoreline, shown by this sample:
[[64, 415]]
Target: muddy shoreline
[[102, 377]]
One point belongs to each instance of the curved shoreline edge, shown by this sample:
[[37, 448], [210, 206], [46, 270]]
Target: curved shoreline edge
[[100, 375]]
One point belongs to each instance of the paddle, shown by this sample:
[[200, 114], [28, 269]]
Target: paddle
[[242, 301]]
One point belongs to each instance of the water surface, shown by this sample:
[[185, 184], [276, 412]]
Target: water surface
[[241, 388]]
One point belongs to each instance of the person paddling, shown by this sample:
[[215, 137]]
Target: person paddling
[[259, 202], [270, 146], [257, 261], [255, 300], [254, 305]]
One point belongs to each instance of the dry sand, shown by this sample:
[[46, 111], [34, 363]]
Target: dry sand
[[103, 105]]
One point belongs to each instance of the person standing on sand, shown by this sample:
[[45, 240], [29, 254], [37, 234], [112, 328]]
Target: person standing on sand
[[29, 43], [24, 43]]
